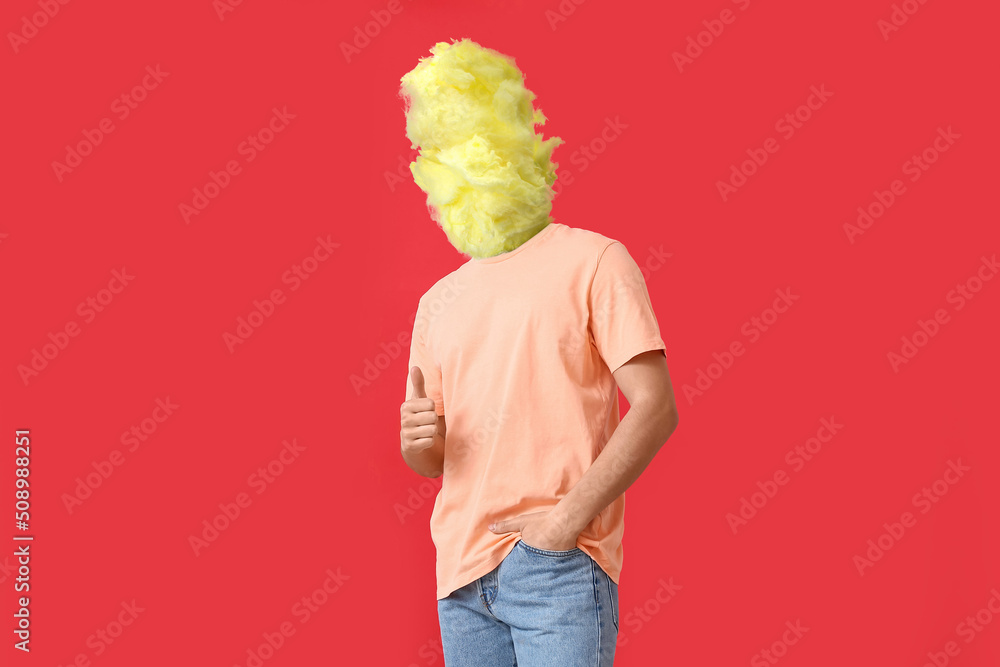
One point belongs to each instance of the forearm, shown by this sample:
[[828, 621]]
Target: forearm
[[428, 462], [636, 440]]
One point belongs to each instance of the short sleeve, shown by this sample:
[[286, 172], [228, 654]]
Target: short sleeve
[[420, 356], [622, 322]]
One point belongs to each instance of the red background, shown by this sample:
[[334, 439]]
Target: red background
[[332, 173]]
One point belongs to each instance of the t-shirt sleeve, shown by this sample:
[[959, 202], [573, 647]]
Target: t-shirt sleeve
[[622, 322], [421, 356]]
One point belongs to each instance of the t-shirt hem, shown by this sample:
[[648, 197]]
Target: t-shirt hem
[[471, 575], [645, 346], [489, 565], [606, 566]]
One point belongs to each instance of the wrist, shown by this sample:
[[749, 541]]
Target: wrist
[[565, 520]]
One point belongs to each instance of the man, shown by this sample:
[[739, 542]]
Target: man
[[515, 363]]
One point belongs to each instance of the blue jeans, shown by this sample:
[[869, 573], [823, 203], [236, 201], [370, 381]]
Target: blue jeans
[[537, 608]]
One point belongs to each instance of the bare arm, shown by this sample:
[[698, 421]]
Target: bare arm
[[652, 417]]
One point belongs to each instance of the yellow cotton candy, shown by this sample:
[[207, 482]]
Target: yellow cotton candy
[[487, 175]]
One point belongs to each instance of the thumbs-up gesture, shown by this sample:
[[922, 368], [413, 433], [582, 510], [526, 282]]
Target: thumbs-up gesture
[[417, 417]]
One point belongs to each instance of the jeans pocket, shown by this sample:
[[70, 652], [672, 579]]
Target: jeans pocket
[[549, 552]]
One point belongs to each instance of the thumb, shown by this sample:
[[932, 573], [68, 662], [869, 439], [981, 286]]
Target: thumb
[[417, 377]]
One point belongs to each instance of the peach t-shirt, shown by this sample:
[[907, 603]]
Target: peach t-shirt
[[517, 351]]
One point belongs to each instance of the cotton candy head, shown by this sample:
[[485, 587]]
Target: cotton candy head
[[487, 175]]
